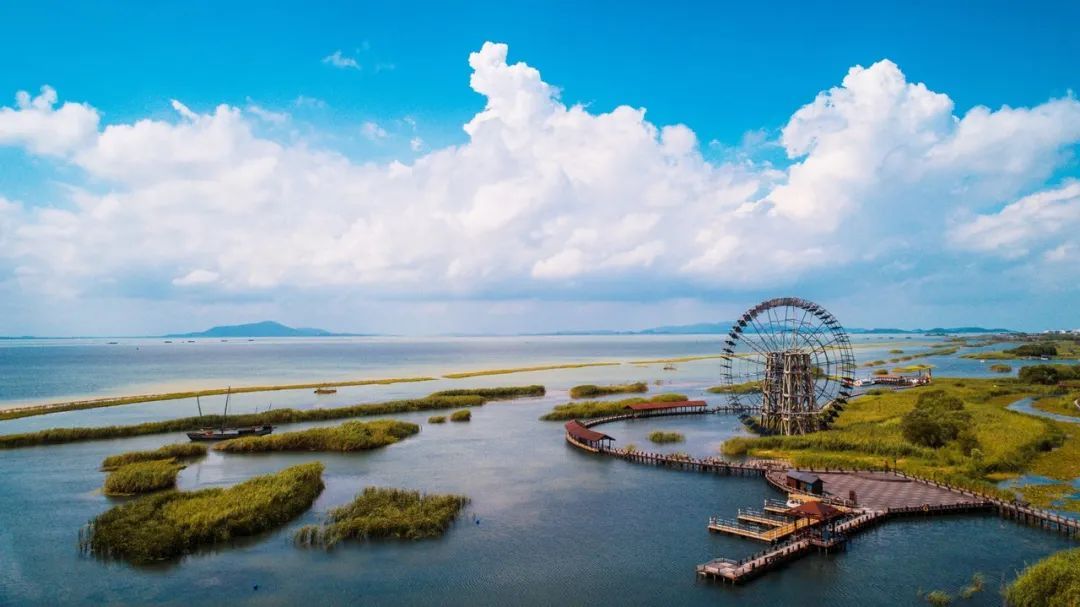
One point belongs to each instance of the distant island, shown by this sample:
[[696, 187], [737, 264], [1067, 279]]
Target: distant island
[[266, 328], [722, 328]]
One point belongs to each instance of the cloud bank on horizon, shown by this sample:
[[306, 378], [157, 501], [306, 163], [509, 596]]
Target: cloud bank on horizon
[[550, 200]]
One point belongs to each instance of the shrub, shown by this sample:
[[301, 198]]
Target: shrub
[[1048, 375], [379, 513], [142, 477], [349, 436], [1034, 350], [1000, 368], [939, 598], [437, 419], [178, 451], [1052, 581], [461, 416], [169, 524], [659, 436], [936, 419], [592, 391]]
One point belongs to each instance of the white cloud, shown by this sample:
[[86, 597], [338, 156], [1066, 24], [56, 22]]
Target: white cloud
[[372, 130], [36, 124], [338, 60], [303, 101], [542, 196], [270, 116], [1046, 222], [416, 144]]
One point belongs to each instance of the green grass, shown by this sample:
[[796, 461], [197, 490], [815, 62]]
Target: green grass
[[748, 387], [169, 524], [661, 437], [1000, 368], [1051, 582], [1055, 496], [600, 408], [867, 434], [437, 419], [524, 370], [679, 359], [97, 403], [502, 393], [382, 513], [1061, 404], [592, 391], [142, 477], [177, 451], [275, 417], [461, 416], [349, 436]]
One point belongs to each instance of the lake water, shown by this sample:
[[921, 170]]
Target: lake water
[[556, 526]]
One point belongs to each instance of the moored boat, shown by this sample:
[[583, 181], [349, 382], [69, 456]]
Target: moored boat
[[216, 434], [325, 391]]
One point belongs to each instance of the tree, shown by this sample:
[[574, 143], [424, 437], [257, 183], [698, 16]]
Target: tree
[[936, 419]]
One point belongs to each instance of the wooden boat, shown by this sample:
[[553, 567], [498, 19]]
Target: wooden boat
[[325, 391], [224, 432], [215, 434]]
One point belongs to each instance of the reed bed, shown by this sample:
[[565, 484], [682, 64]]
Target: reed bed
[[524, 370], [679, 359], [142, 477], [277, 416], [501, 393], [661, 437], [747, 387], [98, 403], [349, 436], [463, 415], [600, 408], [385, 513], [1000, 368], [592, 391], [437, 419], [169, 524], [177, 451], [1051, 582]]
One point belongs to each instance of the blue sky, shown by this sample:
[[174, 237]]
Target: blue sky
[[335, 96]]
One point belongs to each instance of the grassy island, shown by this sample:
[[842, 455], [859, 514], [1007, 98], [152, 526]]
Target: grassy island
[[379, 513], [177, 451], [1000, 368], [746, 387], [524, 370], [659, 436], [142, 477], [97, 403], [503, 393], [170, 524], [600, 408], [1051, 582], [592, 391], [349, 436], [437, 419], [461, 416], [959, 432], [277, 416]]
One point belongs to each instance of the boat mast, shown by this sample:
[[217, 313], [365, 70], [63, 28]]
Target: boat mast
[[198, 404], [228, 392]]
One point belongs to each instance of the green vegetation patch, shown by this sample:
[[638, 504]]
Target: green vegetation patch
[[659, 436], [1052, 582], [381, 513], [746, 387], [524, 370], [592, 391], [277, 416], [172, 523], [601, 408], [142, 477], [1000, 368], [349, 436], [461, 416], [177, 451], [1049, 375], [1056, 496], [437, 419], [869, 434], [503, 393]]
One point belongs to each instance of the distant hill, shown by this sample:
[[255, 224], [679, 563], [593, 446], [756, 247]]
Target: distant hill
[[266, 328], [722, 328]]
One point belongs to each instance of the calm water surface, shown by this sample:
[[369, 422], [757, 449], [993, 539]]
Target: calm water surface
[[556, 526]]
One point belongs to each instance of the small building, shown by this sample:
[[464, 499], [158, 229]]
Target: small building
[[805, 482], [819, 511], [589, 439], [679, 406]]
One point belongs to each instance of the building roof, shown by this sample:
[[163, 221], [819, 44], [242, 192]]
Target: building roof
[[805, 477], [665, 405], [575, 429], [816, 509]]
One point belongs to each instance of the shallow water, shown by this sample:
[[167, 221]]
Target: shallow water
[[556, 525]]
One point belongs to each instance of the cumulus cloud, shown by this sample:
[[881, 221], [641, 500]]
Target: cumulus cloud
[[371, 130], [38, 125], [339, 60], [1046, 223], [543, 196]]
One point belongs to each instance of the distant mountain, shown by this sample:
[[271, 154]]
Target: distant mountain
[[266, 328], [700, 328], [715, 328]]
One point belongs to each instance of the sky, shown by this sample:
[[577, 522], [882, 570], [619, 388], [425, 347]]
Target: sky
[[451, 167]]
